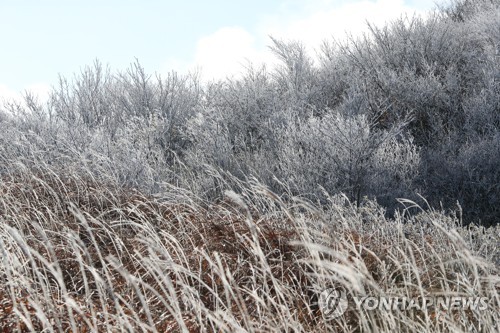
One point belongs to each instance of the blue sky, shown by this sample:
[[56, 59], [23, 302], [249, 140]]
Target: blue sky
[[43, 38]]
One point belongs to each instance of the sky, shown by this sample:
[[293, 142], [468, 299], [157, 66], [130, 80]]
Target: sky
[[42, 39]]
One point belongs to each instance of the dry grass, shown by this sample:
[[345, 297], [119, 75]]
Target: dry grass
[[83, 255]]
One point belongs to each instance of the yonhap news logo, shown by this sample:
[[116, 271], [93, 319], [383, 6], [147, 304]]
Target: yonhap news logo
[[441, 303], [333, 303]]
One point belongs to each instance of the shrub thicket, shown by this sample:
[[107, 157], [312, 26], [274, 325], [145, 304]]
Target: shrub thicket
[[411, 108]]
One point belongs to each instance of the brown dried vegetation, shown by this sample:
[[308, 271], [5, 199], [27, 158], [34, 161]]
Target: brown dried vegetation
[[80, 255]]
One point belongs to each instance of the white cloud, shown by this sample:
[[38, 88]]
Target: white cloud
[[333, 21], [41, 90], [226, 51], [7, 94]]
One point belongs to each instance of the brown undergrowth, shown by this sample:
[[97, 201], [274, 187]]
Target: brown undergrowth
[[81, 255]]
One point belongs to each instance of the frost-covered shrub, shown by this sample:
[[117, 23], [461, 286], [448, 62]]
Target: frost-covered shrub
[[344, 152], [395, 169]]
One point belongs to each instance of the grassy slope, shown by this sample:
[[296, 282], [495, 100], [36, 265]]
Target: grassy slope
[[84, 255]]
